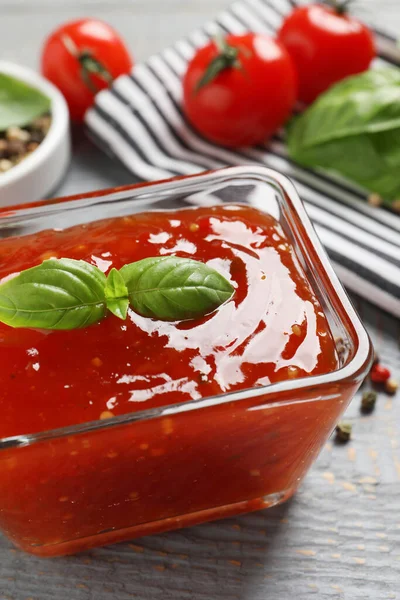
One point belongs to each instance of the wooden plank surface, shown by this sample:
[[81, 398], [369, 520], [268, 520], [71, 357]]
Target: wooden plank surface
[[339, 538]]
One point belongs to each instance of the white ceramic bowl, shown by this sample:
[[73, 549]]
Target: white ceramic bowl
[[37, 175]]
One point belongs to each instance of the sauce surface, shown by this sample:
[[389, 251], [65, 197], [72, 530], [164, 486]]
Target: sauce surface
[[273, 329]]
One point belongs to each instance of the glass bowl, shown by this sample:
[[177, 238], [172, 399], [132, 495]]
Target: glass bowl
[[195, 461]]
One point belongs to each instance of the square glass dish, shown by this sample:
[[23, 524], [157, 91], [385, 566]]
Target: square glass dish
[[92, 483]]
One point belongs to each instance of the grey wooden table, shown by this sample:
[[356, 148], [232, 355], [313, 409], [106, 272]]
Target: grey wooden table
[[340, 536]]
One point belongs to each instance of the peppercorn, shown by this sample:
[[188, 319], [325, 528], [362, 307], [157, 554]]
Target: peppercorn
[[343, 432], [31, 146], [3, 148], [16, 133], [42, 123], [368, 402], [15, 147], [375, 200], [5, 165], [379, 374], [37, 136], [391, 386]]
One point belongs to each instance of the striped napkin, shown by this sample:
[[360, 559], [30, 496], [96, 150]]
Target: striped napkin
[[140, 122]]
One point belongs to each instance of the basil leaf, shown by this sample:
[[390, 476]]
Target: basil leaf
[[172, 288], [20, 103], [116, 294], [58, 294], [69, 294], [354, 129]]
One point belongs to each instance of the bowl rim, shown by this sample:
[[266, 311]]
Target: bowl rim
[[58, 128], [352, 372]]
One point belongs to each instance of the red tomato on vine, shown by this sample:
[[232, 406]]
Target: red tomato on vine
[[239, 91], [326, 44], [81, 58]]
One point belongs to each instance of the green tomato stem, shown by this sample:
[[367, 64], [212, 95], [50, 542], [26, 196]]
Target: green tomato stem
[[227, 58], [90, 65], [340, 6]]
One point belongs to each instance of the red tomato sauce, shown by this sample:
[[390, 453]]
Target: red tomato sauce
[[272, 329]]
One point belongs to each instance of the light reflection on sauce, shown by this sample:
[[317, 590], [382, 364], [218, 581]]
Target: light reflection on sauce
[[230, 337]]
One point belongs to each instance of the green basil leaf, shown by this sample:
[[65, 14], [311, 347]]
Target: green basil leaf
[[173, 289], [20, 103], [354, 130], [116, 294], [58, 294]]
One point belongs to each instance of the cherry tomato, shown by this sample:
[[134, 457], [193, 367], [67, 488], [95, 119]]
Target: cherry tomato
[[237, 92], [379, 374], [81, 58], [326, 45]]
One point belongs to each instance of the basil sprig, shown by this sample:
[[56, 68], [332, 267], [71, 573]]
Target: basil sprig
[[353, 129], [71, 294]]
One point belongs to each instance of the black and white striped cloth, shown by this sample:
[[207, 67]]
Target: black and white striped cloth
[[139, 121]]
